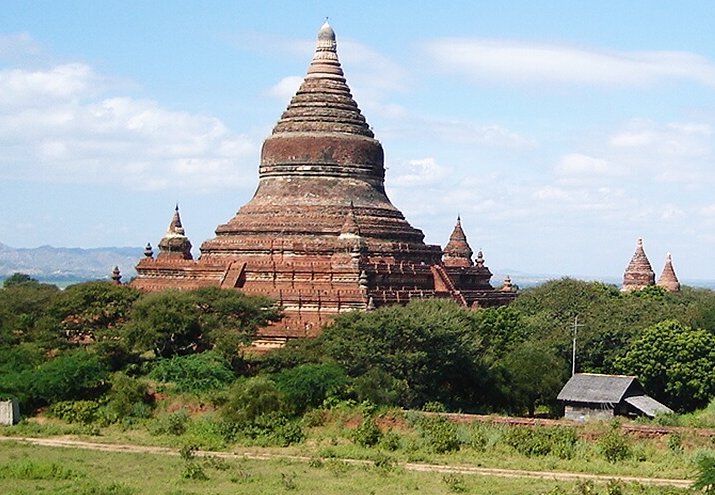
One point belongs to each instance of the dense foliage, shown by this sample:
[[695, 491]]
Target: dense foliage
[[113, 347]]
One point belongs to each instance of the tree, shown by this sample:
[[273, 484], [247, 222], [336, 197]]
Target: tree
[[430, 347], [535, 374], [176, 323], [19, 279], [166, 323], [229, 319], [308, 385], [25, 315], [675, 364], [94, 310]]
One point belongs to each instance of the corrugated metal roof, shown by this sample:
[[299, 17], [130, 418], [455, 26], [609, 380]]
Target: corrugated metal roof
[[600, 389], [648, 405]]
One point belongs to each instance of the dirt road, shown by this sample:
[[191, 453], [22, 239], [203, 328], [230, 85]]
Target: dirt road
[[410, 466]]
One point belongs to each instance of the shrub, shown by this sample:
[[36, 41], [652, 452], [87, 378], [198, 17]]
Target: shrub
[[614, 445], [128, 398], [249, 399], [308, 385], [706, 473], [175, 423], [368, 434], [439, 434], [541, 441], [195, 372], [70, 376], [194, 471], [273, 430], [391, 441], [455, 482], [81, 411]]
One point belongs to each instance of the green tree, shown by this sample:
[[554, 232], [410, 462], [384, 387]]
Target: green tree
[[534, 376], [432, 347], [229, 319], [94, 310], [675, 364], [19, 279], [308, 385], [166, 323], [25, 315]]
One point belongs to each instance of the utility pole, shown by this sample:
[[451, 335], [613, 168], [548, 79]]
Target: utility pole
[[576, 324]]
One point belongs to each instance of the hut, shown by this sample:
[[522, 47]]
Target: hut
[[592, 396]]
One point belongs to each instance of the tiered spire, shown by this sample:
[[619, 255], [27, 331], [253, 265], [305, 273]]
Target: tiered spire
[[639, 273], [324, 102], [457, 251], [668, 280], [175, 243]]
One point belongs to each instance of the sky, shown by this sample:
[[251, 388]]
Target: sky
[[560, 131]]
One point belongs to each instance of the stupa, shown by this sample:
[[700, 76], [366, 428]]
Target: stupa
[[668, 280], [320, 236], [639, 273]]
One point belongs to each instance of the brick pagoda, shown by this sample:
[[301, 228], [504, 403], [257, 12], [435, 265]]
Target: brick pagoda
[[639, 273], [320, 235]]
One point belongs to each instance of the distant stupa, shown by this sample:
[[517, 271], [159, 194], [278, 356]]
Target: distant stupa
[[668, 280], [639, 273]]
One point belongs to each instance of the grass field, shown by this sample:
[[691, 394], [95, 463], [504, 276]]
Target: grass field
[[28, 469], [328, 445]]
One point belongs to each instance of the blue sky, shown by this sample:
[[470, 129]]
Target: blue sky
[[559, 131]]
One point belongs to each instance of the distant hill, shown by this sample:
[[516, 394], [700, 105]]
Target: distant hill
[[68, 265]]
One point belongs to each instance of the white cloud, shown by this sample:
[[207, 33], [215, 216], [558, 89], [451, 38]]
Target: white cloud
[[285, 88], [421, 172], [17, 45], [526, 63], [56, 129], [687, 139], [20, 87], [580, 166]]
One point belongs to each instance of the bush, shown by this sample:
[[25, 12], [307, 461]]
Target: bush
[[614, 445], [273, 430], [439, 434], [541, 441], [128, 398], [308, 385], [175, 423], [71, 376], [249, 399], [80, 411], [195, 372], [368, 434], [706, 473]]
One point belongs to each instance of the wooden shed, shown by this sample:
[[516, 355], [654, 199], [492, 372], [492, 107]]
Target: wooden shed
[[592, 396]]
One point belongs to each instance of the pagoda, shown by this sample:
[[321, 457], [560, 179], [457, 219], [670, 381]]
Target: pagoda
[[320, 235], [668, 280], [639, 273]]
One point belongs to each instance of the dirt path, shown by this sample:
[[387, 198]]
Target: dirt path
[[410, 466]]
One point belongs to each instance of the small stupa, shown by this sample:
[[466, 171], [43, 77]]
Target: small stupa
[[639, 273], [668, 280]]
